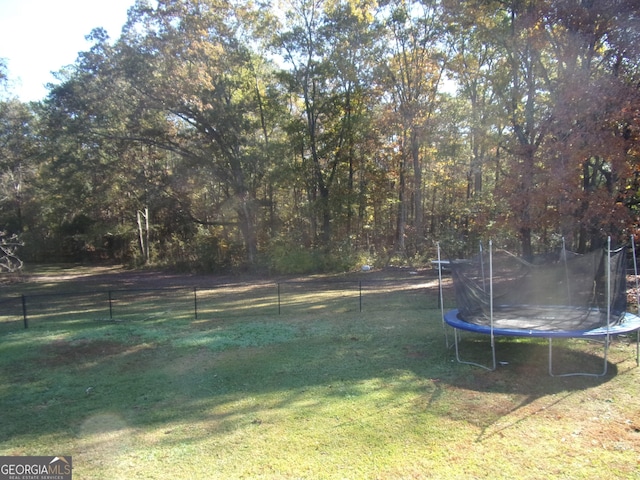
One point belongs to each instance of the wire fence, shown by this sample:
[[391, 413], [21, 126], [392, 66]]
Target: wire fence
[[219, 301]]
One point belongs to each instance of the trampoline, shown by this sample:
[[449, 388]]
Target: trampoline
[[566, 296]]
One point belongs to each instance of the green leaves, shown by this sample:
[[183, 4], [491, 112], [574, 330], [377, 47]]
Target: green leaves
[[335, 124]]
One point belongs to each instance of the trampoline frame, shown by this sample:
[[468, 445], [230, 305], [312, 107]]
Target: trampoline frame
[[629, 323]]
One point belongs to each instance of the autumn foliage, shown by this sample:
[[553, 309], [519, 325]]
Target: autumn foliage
[[354, 132]]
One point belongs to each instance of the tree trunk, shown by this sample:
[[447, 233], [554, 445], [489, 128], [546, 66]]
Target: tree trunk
[[417, 188], [247, 228], [402, 214]]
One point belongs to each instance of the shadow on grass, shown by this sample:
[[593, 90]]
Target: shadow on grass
[[193, 379], [153, 381], [198, 385], [522, 376]]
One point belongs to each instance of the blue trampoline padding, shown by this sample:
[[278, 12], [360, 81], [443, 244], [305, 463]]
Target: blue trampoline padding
[[628, 323]]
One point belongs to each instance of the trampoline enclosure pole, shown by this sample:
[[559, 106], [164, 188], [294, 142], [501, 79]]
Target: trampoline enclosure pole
[[566, 270], [493, 345], [635, 271], [441, 296], [608, 286], [484, 283], [608, 337]]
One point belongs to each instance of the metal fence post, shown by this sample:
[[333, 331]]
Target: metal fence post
[[278, 298], [24, 311], [195, 303], [360, 294], [110, 307]]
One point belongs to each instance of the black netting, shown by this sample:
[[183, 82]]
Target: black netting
[[567, 292]]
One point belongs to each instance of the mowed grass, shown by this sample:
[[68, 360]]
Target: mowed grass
[[322, 390]]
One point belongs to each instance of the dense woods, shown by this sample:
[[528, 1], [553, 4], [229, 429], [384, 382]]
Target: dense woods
[[314, 135]]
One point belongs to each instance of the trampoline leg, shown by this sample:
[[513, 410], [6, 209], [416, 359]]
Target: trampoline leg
[[584, 374], [493, 353]]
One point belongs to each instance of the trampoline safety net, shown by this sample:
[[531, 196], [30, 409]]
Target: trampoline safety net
[[567, 292]]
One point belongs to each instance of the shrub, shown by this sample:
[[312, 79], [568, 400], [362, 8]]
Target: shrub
[[285, 258]]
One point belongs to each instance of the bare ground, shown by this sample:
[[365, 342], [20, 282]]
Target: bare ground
[[115, 276]]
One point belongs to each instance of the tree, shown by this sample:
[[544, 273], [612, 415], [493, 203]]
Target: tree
[[9, 259], [476, 66], [590, 140], [92, 173], [304, 50], [188, 61], [17, 163], [177, 106], [338, 134], [412, 76], [551, 69], [327, 49], [352, 54], [3, 74]]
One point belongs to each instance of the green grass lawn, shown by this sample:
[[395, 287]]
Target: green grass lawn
[[317, 393]]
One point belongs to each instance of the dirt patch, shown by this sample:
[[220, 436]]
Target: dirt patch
[[62, 352], [611, 433], [115, 276]]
